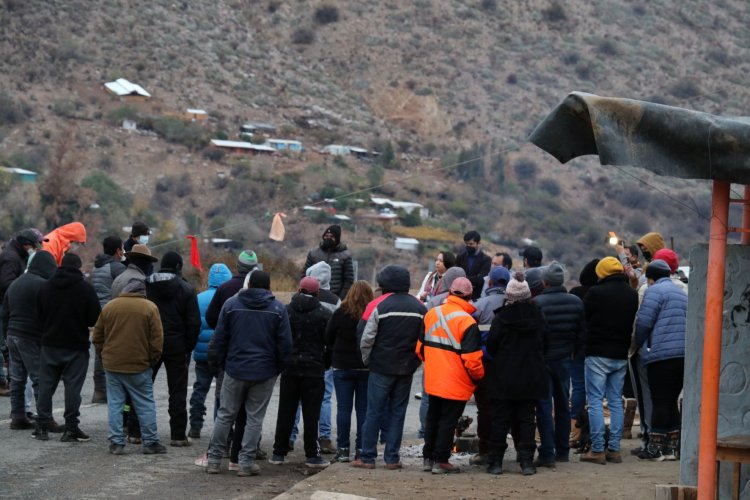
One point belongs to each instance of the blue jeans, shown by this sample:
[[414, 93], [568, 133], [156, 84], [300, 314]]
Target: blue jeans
[[578, 381], [555, 431], [424, 405], [201, 386], [324, 425], [24, 364], [351, 392], [605, 377], [387, 400], [140, 388]]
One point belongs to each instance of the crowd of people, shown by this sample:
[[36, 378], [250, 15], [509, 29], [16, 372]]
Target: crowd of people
[[536, 358]]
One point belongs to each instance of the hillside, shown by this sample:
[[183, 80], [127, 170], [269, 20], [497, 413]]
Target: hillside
[[445, 82]]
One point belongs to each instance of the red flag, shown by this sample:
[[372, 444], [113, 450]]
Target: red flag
[[195, 256]]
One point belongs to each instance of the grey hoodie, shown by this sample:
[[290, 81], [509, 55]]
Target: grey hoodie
[[444, 286], [322, 272]]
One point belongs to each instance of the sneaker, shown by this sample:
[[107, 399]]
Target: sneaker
[[99, 397], [417, 395], [545, 462], [74, 435], [653, 455], [359, 464], [202, 461], [445, 468], [276, 459], [427, 464], [342, 455], [234, 466], [317, 463], [180, 443], [260, 454], [249, 470], [394, 466], [117, 449], [21, 424], [134, 439], [562, 458], [326, 447], [594, 457], [613, 456], [213, 468], [40, 434], [154, 449], [479, 459], [194, 433]]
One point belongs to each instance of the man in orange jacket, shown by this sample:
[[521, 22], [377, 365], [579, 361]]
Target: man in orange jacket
[[451, 349]]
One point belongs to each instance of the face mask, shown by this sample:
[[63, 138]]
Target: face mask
[[123, 258], [647, 255], [74, 246], [471, 250], [143, 239]]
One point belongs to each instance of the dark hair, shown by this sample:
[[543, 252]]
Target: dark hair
[[139, 229], [449, 259], [71, 260], [633, 250], [112, 244], [359, 295], [472, 236], [260, 279], [507, 259]]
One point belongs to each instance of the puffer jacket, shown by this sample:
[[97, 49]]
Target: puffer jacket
[[106, 269], [12, 263], [661, 322], [342, 268], [20, 315], [178, 309], [564, 315], [308, 320], [58, 241], [217, 275]]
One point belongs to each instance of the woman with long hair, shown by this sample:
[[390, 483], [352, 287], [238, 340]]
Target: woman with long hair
[[443, 262], [350, 375]]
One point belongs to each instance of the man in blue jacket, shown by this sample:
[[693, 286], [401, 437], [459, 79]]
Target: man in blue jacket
[[253, 340]]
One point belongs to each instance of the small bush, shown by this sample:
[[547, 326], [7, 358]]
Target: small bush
[[526, 170], [512, 79], [607, 48], [685, 90], [66, 108], [489, 5], [555, 13], [570, 58], [326, 14], [178, 131], [551, 186], [12, 112], [214, 154], [124, 112], [303, 36], [104, 142], [584, 71]]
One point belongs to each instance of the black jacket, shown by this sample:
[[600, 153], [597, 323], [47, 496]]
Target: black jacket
[[610, 307], [20, 316], [12, 263], [106, 269], [587, 278], [516, 345], [564, 315], [308, 320], [476, 273], [341, 341], [178, 308], [342, 268], [67, 306], [226, 290]]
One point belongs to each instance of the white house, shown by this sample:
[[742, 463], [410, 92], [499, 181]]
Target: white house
[[409, 244], [122, 87]]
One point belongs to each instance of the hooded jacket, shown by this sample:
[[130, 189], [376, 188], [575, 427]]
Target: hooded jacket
[[652, 242], [224, 292], [67, 306], [253, 338], [178, 309], [393, 325], [106, 269], [322, 272], [444, 285], [308, 319], [587, 279], [131, 272], [610, 308], [20, 316], [217, 275], [661, 322], [13, 260], [564, 315], [342, 268], [60, 239]]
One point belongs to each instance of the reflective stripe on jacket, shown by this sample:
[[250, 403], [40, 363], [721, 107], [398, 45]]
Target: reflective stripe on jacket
[[451, 349]]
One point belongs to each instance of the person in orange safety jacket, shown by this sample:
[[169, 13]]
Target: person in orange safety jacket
[[451, 349], [64, 239]]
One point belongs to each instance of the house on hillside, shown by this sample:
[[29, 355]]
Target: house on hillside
[[251, 128], [409, 244], [407, 206], [25, 176], [336, 150], [285, 145], [196, 115], [127, 90], [243, 147]]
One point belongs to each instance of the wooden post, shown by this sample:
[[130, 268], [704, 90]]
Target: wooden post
[[717, 247]]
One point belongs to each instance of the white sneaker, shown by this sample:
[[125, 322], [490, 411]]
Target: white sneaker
[[201, 461]]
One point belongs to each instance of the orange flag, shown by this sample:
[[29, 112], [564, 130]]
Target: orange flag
[[277, 227]]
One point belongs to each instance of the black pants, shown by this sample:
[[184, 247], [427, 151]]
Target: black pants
[[176, 365], [484, 414], [70, 365], [505, 413], [440, 427], [293, 390], [665, 381]]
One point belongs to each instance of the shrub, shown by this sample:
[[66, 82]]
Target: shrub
[[607, 48], [512, 79], [124, 112], [66, 108], [12, 112], [685, 89], [551, 186], [326, 14], [526, 170], [555, 13], [584, 71], [214, 154], [178, 131], [570, 58], [303, 36], [104, 142], [412, 219], [109, 195], [488, 5]]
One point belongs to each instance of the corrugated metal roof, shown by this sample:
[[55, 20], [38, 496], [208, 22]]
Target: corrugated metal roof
[[242, 145], [123, 87], [19, 171], [283, 141], [196, 111]]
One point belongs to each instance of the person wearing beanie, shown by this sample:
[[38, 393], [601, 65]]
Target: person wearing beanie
[[68, 306], [670, 257], [451, 348], [302, 381], [336, 254], [474, 262], [390, 328], [516, 376], [610, 307], [181, 322], [247, 261], [534, 279], [564, 315], [660, 329]]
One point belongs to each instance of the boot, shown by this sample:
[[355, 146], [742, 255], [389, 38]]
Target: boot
[[495, 463], [655, 449], [527, 468], [575, 433], [627, 427], [671, 448]]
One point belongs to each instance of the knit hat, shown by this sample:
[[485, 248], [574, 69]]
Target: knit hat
[[171, 260], [461, 287], [335, 230], [71, 260], [309, 285], [534, 279], [554, 274], [246, 261], [517, 289], [499, 276], [668, 256], [657, 269], [607, 267]]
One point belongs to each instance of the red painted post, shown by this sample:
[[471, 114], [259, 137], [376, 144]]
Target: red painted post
[[712, 326]]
